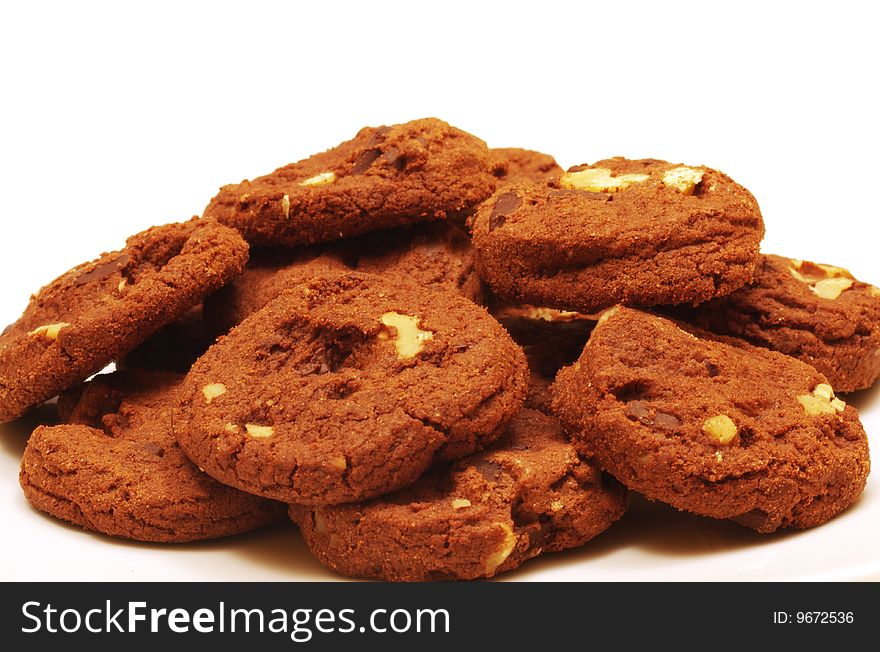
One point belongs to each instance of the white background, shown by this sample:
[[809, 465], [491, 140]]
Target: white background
[[114, 118]]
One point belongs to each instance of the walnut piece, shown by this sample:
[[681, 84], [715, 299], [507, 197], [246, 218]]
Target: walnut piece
[[599, 180], [322, 179], [503, 551], [213, 390], [460, 503], [49, 331], [409, 339], [258, 431], [285, 206], [831, 288], [825, 281], [683, 179], [821, 401], [338, 463], [721, 428], [606, 315]]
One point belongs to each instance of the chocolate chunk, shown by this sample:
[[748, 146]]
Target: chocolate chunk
[[754, 519], [391, 154], [364, 160], [153, 448], [488, 469], [666, 421], [506, 204], [638, 410], [319, 363], [642, 411], [378, 136], [103, 271]]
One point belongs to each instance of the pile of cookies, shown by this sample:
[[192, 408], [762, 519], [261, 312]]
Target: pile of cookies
[[440, 360]]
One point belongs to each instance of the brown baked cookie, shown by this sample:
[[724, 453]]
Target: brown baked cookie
[[637, 232], [269, 272], [438, 254], [528, 494], [174, 347], [817, 313], [98, 311], [514, 165], [347, 387], [116, 468], [384, 177], [718, 428]]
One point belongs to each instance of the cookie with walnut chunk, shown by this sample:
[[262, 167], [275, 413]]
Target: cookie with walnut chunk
[[817, 313], [383, 177], [115, 467], [718, 428], [349, 386], [642, 233], [99, 311], [528, 494]]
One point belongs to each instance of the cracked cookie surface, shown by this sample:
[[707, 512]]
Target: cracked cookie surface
[[529, 493], [383, 177], [349, 386], [116, 468], [817, 313], [99, 311], [639, 232], [718, 428]]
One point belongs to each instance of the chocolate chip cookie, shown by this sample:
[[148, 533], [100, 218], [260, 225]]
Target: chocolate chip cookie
[[116, 468], [514, 165], [98, 311], [817, 313], [528, 494], [718, 428], [640, 232], [383, 177], [347, 387]]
